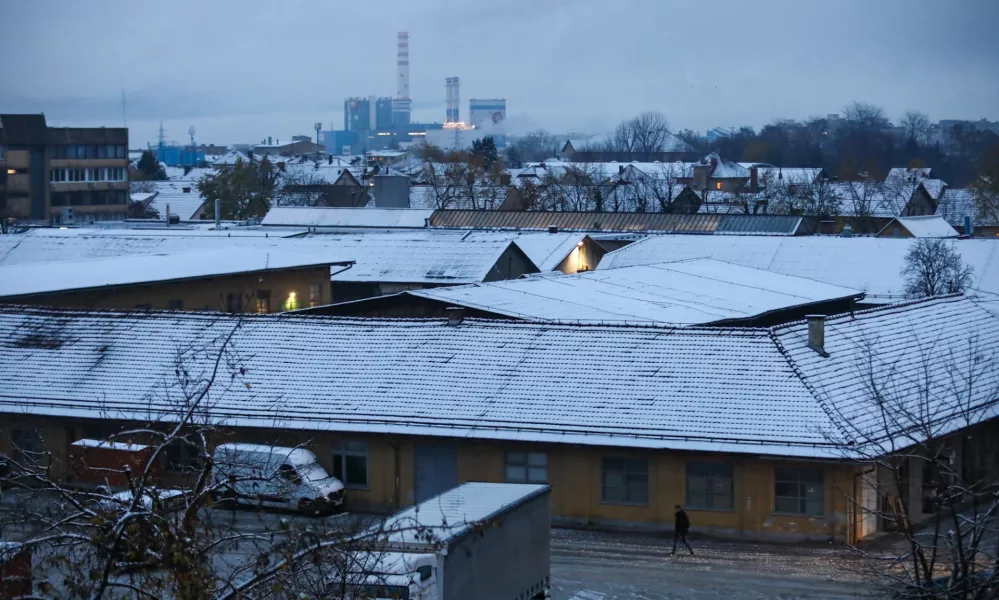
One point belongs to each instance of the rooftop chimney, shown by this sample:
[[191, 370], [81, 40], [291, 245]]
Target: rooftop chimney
[[455, 315], [754, 179], [817, 334]]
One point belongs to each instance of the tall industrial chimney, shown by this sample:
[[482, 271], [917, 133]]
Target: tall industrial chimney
[[449, 100], [456, 97], [402, 62]]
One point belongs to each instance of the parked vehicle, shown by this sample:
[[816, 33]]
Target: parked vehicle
[[276, 477], [489, 541]]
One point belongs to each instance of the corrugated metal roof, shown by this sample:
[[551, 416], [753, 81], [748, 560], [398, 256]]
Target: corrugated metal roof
[[758, 224], [617, 222]]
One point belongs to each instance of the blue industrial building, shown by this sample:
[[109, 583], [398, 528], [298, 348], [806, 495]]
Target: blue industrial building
[[179, 156]]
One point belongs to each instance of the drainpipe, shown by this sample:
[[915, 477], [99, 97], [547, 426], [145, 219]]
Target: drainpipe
[[218, 214], [398, 496]]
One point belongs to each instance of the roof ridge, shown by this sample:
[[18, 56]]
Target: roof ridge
[[884, 308], [368, 321]]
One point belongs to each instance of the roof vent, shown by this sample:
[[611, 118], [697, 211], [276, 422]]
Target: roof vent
[[848, 230], [817, 334], [455, 315], [552, 229]]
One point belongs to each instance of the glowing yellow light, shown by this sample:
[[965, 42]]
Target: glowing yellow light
[[292, 302], [11, 171], [579, 243]]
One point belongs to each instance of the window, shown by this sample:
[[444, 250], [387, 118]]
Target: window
[[234, 303], [799, 491], [95, 175], [182, 456], [57, 151], [526, 467], [57, 175], [315, 294], [289, 474], [77, 174], [291, 303], [263, 301], [625, 481], [175, 305], [186, 190], [350, 463], [29, 448], [119, 151], [709, 486]]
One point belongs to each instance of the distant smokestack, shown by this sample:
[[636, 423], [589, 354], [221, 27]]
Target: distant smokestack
[[402, 62], [457, 100]]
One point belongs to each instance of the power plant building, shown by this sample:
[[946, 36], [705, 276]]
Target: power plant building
[[487, 113]]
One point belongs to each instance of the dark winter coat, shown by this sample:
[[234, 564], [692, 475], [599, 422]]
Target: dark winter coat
[[682, 523]]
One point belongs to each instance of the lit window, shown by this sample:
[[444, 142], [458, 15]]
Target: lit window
[[292, 302], [718, 185], [526, 467], [350, 463], [264, 301], [11, 171]]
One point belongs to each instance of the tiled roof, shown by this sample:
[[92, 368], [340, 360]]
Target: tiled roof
[[872, 265], [49, 277], [761, 391], [644, 387], [694, 292], [948, 345], [958, 203], [617, 222]]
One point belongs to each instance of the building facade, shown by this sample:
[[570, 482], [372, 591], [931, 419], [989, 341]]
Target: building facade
[[62, 173]]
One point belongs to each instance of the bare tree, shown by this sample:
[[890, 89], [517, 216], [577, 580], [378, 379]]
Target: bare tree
[[535, 146], [916, 126], [301, 187], [446, 174], [133, 538], [644, 134], [916, 433], [985, 188], [863, 115], [933, 267]]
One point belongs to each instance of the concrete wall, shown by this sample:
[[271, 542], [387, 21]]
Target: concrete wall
[[582, 258], [209, 293]]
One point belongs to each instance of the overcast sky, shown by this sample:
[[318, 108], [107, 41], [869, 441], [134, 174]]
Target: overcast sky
[[242, 70]]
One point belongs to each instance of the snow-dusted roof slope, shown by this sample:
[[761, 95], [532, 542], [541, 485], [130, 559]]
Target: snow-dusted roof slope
[[348, 217], [929, 226], [694, 292], [720, 389], [452, 513], [183, 198], [50, 277], [548, 250], [943, 344], [760, 391], [871, 265], [403, 257], [958, 203]]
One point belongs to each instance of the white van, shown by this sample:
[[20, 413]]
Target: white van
[[277, 477]]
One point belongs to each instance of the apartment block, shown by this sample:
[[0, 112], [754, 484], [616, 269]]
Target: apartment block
[[46, 170]]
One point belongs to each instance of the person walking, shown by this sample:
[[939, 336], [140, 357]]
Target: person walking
[[681, 525]]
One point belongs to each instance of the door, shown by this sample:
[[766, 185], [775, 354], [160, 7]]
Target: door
[[436, 470]]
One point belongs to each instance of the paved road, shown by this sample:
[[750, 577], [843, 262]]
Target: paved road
[[604, 566], [599, 566]]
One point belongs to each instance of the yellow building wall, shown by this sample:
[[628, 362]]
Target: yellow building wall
[[574, 472], [207, 293]]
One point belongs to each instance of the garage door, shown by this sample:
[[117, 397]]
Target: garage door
[[436, 470]]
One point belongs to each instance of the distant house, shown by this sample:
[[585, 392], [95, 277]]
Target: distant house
[[919, 227], [231, 279], [957, 206], [289, 148]]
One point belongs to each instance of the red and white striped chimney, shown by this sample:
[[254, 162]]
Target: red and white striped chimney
[[402, 62]]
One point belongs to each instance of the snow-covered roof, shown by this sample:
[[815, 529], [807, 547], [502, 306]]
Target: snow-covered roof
[[930, 226], [875, 199], [871, 265], [348, 217], [958, 203], [547, 250], [192, 175], [694, 292], [911, 174], [230, 158], [403, 257], [933, 187], [757, 391], [725, 169], [109, 445], [918, 357], [787, 175], [51, 277], [452, 513], [481, 197], [140, 196], [183, 197]]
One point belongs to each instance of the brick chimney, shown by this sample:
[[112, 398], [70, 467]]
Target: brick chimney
[[455, 315], [754, 179]]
